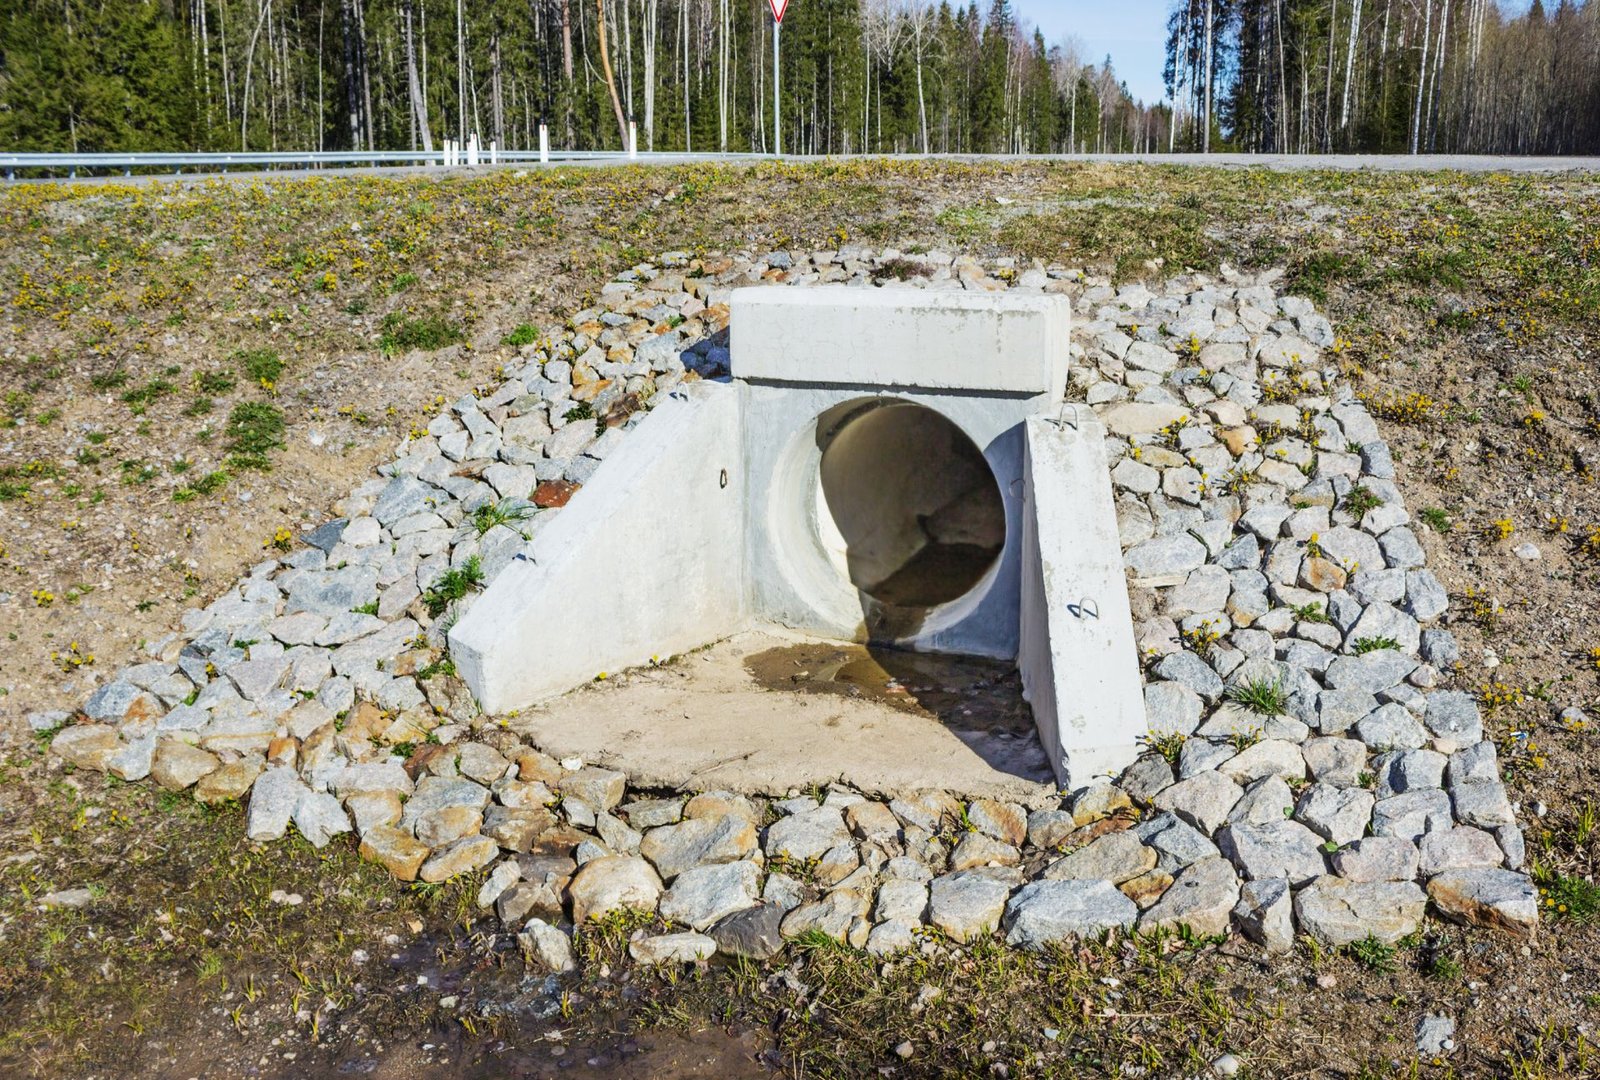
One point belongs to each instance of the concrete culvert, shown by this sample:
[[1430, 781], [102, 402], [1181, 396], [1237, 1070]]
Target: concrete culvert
[[915, 505]]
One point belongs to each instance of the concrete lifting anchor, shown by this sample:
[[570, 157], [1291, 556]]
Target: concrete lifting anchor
[[891, 465]]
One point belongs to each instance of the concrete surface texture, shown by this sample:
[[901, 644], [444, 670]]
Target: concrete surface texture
[[1079, 663], [902, 338], [564, 613], [704, 723]]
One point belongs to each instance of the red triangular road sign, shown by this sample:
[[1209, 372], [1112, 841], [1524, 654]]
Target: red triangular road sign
[[778, 8]]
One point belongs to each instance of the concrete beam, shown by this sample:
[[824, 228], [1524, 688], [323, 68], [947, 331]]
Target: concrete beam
[[646, 560], [991, 342], [1077, 653]]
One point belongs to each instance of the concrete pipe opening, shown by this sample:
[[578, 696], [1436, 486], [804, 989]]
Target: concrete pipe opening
[[914, 505]]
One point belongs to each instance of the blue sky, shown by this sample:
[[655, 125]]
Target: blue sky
[[1134, 32]]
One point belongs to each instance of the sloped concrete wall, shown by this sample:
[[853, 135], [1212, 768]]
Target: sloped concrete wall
[[646, 560], [1077, 653]]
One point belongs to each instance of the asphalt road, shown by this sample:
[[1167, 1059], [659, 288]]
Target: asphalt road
[[1472, 163]]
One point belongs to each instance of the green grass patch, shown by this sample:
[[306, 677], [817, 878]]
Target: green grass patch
[[261, 366], [524, 334], [452, 585], [1264, 696], [1373, 644], [255, 429], [425, 332]]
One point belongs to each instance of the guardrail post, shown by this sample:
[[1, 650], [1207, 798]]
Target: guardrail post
[[472, 150], [544, 145], [633, 139], [494, 152]]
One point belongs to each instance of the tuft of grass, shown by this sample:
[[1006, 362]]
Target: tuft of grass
[[1372, 954], [1311, 613], [452, 585], [1570, 898], [215, 382], [1373, 644], [1435, 518], [261, 366], [1312, 275], [425, 332], [524, 334], [504, 512], [1264, 696], [150, 391], [1360, 500], [1441, 965], [255, 429]]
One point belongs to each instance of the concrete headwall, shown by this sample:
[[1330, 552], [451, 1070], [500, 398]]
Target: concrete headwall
[[895, 338], [1077, 653], [647, 559]]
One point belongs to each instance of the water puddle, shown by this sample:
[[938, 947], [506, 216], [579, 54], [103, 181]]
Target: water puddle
[[966, 694]]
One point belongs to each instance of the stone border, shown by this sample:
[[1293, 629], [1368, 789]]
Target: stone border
[[1309, 771]]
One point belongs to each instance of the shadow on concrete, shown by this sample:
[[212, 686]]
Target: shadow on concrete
[[978, 701]]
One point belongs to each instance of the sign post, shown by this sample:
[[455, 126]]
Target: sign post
[[778, 8]]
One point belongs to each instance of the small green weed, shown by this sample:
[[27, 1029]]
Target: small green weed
[[524, 334], [452, 585], [1264, 696], [1372, 954], [1373, 644]]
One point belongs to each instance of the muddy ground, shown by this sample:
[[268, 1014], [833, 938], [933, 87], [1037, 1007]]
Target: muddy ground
[[132, 484]]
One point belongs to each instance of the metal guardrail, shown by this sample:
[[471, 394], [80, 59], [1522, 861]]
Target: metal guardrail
[[11, 163]]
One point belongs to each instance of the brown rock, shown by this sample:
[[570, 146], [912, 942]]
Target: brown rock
[[229, 782], [448, 824], [398, 851], [426, 760], [588, 391], [462, 857], [514, 829], [1498, 899], [1146, 889], [1004, 821], [372, 809], [931, 810], [1095, 830], [536, 765], [88, 746], [283, 750], [871, 820], [178, 765], [1323, 575], [1100, 801], [1238, 440], [614, 883], [561, 841], [716, 804], [596, 788], [553, 493]]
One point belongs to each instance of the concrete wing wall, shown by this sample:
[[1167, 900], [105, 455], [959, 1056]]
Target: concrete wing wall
[[1077, 654], [646, 560]]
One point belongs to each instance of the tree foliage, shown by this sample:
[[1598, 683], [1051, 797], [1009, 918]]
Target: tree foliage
[[1305, 76], [858, 75]]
